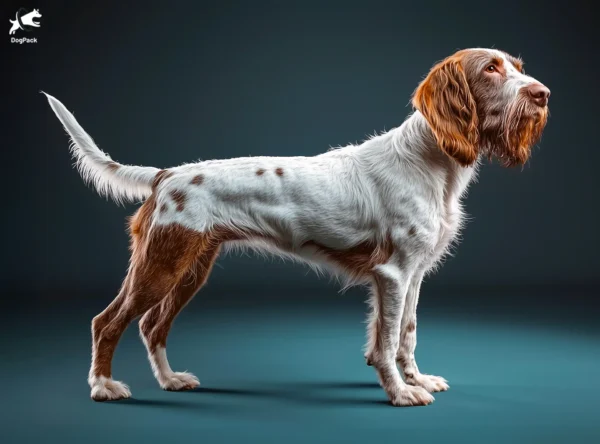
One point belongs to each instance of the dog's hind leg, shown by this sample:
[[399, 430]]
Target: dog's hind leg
[[160, 260], [103, 387], [156, 323]]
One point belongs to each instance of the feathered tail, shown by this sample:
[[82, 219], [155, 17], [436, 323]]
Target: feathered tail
[[123, 183]]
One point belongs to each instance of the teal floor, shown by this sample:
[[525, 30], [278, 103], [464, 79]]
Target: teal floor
[[297, 375]]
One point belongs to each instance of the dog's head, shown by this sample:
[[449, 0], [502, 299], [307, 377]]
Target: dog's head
[[35, 14], [481, 101]]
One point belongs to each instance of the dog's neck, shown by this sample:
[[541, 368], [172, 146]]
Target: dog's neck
[[414, 140], [411, 149], [416, 137]]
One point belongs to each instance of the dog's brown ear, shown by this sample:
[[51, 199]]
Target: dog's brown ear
[[445, 100]]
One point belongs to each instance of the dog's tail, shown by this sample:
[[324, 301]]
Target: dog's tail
[[123, 183]]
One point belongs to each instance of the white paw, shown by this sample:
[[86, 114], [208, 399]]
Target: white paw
[[178, 381], [105, 389], [428, 382], [412, 396]]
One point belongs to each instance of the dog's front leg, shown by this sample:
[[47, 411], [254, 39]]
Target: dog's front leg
[[408, 342], [390, 286]]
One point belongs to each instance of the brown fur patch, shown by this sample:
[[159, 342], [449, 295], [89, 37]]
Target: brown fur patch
[[178, 197], [516, 62], [156, 323], [260, 172], [279, 171], [160, 177], [412, 231], [360, 259], [163, 208], [411, 327], [140, 221], [104, 337], [197, 180], [112, 166]]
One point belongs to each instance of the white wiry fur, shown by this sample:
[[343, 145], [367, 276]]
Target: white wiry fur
[[107, 389], [125, 184], [398, 188], [166, 377]]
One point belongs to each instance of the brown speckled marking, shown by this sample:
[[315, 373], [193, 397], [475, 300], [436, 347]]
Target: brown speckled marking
[[411, 327], [163, 208], [412, 231], [160, 177], [112, 166], [179, 198], [279, 171], [197, 180], [402, 361], [260, 172]]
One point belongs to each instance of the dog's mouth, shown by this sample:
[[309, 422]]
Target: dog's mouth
[[521, 128]]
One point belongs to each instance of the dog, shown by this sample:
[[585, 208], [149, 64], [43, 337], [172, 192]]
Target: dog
[[26, 19], [382, 213]]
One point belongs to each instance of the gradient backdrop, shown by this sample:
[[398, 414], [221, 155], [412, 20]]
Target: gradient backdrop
[[511, 321]]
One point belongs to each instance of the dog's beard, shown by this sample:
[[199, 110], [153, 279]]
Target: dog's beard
[[517, 132]]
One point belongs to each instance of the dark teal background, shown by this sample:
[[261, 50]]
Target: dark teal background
[[511, 320]]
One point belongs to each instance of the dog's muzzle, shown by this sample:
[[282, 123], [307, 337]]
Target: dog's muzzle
[[538, 94]]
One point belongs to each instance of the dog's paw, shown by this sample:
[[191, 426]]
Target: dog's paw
[[412, 396], [179, 381], [105, 389], [428, 382]]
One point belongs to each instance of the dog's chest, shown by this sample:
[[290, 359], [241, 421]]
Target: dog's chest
[[451, 213]]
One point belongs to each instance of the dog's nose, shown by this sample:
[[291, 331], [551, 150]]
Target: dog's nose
[[539, 94]]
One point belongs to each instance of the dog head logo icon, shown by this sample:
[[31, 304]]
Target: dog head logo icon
[[25, 21]]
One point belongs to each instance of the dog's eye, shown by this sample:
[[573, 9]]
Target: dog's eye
[[491, 68]]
